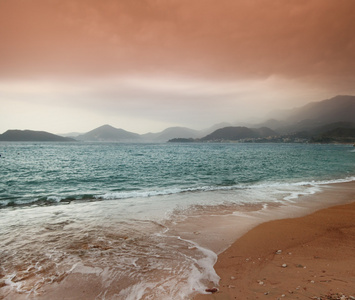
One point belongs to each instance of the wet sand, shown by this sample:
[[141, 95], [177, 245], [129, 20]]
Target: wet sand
[[316, 258], [318, 250]]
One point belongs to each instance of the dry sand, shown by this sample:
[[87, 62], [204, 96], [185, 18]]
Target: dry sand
[[316, 261]]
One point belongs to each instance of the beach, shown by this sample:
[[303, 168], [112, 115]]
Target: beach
[[309, 257], [285, 256], [149, 221]]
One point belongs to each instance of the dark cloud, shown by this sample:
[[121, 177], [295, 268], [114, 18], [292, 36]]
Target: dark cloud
[[209, 60], [310, 39]]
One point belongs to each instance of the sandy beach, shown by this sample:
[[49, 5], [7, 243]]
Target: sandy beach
[[301, 249], [310, 257]]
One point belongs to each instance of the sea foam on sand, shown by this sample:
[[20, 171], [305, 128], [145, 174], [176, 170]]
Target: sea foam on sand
[[161, 247], [310, 257]]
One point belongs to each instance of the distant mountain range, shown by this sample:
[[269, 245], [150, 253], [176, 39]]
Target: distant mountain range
[[107, 133], [331, 120], [32, 136], [313, 115], [339, 108], [171, 132], [239, 133]]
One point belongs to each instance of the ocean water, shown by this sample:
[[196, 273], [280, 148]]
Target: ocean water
[[131, 217]]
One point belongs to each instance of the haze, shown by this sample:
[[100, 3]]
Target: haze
[[68, 65]]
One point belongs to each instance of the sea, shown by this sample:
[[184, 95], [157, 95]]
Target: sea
[[144, 221]]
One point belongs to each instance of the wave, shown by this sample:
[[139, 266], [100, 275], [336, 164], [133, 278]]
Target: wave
[[46, 200], [145, 194], [58, 199]]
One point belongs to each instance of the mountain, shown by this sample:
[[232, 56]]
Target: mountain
[[264, 132], [239, 133], [338, 135], [339, 132], [107, 133], [171, 133], [70, 134], [181, 133], [213, 128], [328, 120], [272, 124], [32, 136], [330, 127], [337, 109]]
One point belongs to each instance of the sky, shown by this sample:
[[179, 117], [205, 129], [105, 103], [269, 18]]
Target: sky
[[145, 65]]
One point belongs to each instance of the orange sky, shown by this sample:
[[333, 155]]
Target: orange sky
[[143, 64]]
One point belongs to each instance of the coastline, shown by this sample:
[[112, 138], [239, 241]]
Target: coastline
[[207, 228], [316, 260]]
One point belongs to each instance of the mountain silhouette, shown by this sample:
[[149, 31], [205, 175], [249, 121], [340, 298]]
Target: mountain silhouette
[[107, 133], [32, 136], [238, 133]]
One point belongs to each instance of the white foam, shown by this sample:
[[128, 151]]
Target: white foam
[[135, 291], [340, 180], [171, 191], [196, 271], [192, 275], [302, 183], [80, 268], [102, 295], [295, 195], [205, 271], [174, 191], [54, 198]]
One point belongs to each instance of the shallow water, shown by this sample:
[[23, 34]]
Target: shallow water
[[52, 172], [144, 221]]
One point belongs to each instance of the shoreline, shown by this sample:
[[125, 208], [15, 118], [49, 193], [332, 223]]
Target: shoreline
[[316, 259], [213, 228]]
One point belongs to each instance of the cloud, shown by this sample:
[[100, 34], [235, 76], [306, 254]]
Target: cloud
[[141, 104], [156, 60], [310, 39]]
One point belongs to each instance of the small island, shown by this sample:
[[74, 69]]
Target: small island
[[32, 136]]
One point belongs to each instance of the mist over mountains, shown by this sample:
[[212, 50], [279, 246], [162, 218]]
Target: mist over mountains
[[107, 133], [339, 108], [312, 115], [331, 120]]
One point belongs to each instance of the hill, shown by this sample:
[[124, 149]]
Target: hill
[[341, 132], [337, 109], [171, 133], [178, 133], [238, 133], [70, 134], [107, 133], [32, 136], [330, 120], [215, 127]]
